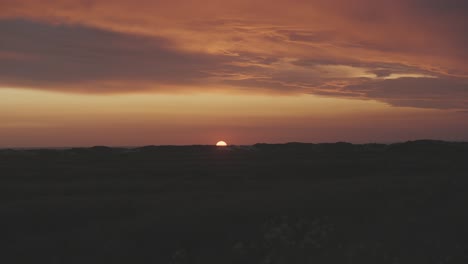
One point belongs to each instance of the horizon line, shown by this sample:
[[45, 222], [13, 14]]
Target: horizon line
[[229, 145]]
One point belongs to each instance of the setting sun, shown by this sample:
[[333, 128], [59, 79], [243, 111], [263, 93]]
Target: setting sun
[[221, 144], [347, 124]]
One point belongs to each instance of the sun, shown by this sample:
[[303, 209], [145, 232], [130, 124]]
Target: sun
[[221, 144]]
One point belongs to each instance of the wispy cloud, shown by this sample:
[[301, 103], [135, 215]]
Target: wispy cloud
[[405, 53]]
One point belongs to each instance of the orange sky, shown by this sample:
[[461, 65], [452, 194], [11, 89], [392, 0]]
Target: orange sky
[[119, 72]]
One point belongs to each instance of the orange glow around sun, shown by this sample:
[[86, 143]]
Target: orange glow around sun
[[221, 144], [174, 72]]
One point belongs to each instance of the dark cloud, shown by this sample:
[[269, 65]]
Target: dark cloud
[[382, 73], [65, 55], [380, 69], [443, 93], [435, 93], [449, 18], [68, 57], [308, 36], [375, 66], [451, 7]]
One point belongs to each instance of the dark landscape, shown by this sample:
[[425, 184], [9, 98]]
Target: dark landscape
[[266, 203], [184, 100]]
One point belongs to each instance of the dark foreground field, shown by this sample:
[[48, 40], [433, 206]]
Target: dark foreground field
[[292, 203]]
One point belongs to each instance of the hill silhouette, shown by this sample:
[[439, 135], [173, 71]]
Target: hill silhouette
[[265, 203]]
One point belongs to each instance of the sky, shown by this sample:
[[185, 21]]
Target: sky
[[158, 72]]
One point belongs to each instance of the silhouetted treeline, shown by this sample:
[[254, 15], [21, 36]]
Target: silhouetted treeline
[[266, 203]]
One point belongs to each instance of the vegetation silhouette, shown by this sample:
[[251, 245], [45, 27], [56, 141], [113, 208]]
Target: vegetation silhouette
[[266, 203]]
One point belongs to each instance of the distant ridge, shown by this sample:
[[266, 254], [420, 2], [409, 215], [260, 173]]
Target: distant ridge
[[424, 144]]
